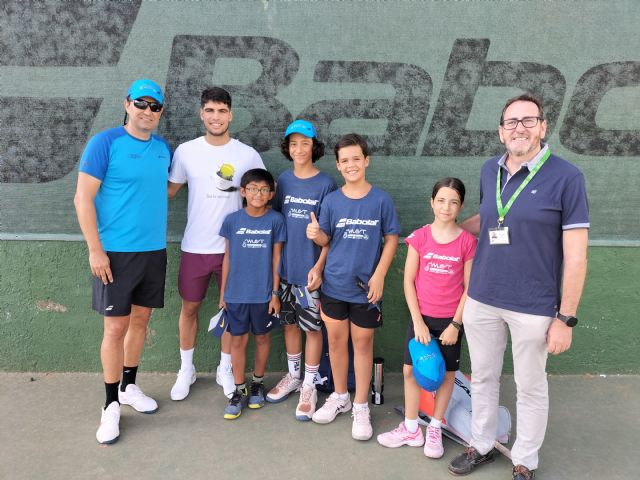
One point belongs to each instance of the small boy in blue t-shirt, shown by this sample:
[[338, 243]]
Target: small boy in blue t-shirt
[[360, 225], [248, 292]]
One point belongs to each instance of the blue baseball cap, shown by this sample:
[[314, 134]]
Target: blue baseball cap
[[428, 364], [145, 88], [302, 127]]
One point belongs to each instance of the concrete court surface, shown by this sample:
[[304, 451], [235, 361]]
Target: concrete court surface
[[49, 422]]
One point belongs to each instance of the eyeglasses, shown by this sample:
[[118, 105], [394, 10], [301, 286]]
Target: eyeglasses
[[256, 190], [143, 104], [527, 122]]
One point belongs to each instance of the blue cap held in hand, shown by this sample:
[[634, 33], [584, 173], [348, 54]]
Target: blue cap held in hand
[[428, 364]]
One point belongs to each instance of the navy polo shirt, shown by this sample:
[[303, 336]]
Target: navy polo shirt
[[526, 275]]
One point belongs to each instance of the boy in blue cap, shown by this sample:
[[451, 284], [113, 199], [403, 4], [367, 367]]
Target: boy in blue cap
[[121, 203], [299, 194]]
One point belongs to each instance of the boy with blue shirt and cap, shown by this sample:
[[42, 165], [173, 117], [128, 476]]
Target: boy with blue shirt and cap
[[248, 291], [299, 194], [121, 203]]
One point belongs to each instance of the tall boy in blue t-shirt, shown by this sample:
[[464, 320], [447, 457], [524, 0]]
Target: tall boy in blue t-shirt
[[300, 192], [254, 237], [360, 225]]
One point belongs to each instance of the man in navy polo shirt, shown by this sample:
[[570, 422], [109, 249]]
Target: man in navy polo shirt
[[527, 280], [121, 202]]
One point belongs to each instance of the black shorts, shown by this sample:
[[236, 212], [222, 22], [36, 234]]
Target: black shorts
[[450, 353], [138, 279], [364, 315]]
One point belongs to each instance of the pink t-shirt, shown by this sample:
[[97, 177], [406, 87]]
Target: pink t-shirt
[[440, 278]]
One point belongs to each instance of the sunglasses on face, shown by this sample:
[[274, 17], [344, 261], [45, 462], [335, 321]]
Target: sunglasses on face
[[143, 104]]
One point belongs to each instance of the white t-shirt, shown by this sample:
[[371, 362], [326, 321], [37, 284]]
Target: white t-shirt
[[213, 174]]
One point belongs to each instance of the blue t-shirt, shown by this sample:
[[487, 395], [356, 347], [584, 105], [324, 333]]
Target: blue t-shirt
[[526, 275], [131, 204], [295, 198], [357, 229], [251, 241]]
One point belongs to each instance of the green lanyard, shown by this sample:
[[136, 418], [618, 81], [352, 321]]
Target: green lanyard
[[502, 211]]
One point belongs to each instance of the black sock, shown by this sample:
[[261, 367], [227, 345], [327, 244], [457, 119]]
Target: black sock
[[128, 376], [111, 390]]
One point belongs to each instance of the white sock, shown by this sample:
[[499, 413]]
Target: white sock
[[310, 372], [186, 357], [411, 425], [342, 396], [435, 423], [361, 406], [294, 364], [225, 360]]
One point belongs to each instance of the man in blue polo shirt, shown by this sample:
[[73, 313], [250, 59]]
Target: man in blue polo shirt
[[527, 280], [121, 202]]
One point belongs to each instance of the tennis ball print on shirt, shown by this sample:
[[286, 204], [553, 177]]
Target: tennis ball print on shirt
[[224, 178]]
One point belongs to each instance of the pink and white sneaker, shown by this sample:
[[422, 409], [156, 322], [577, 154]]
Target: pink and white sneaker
[[401, 436], [433, 445]]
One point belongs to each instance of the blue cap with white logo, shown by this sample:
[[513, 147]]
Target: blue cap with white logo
[[302, 127], [145, 88], [428, 364]]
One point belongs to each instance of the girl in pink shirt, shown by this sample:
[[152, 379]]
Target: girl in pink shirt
[[436, 276]]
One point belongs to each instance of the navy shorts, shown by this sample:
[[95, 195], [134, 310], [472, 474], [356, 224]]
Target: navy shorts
[[450, 353], [138, 279], [245, 317], [364, 315]]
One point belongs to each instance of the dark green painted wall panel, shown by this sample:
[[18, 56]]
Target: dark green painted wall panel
[[46, 323]]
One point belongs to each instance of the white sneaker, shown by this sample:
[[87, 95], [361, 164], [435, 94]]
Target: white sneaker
[[361, 429], [331, 408], [224, 378], [285, 386], [433, 447], [109, 429], [185, 379], [307, 404], [134, 397]]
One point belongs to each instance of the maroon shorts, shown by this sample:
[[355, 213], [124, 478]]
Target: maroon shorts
[[195, 274]]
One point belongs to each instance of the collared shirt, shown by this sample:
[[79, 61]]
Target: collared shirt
[[530, 165], [525, 276]]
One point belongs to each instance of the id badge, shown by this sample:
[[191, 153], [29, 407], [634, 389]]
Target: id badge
[[499, 236]]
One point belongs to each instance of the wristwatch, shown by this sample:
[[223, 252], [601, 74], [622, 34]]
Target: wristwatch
[[569, 320], [276, 293]]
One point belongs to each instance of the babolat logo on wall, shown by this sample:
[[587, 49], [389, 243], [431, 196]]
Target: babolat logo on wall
[[427, 98]]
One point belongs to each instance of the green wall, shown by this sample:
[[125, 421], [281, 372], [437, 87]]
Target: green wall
[[46, 323]]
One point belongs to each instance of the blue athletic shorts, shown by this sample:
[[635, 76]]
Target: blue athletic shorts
[[245, 317]]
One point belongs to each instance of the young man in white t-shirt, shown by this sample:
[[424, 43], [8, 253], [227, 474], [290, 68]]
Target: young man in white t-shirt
[[212, 165]]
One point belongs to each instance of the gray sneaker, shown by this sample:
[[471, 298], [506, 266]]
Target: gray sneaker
[[237, 402], [256, 395]]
